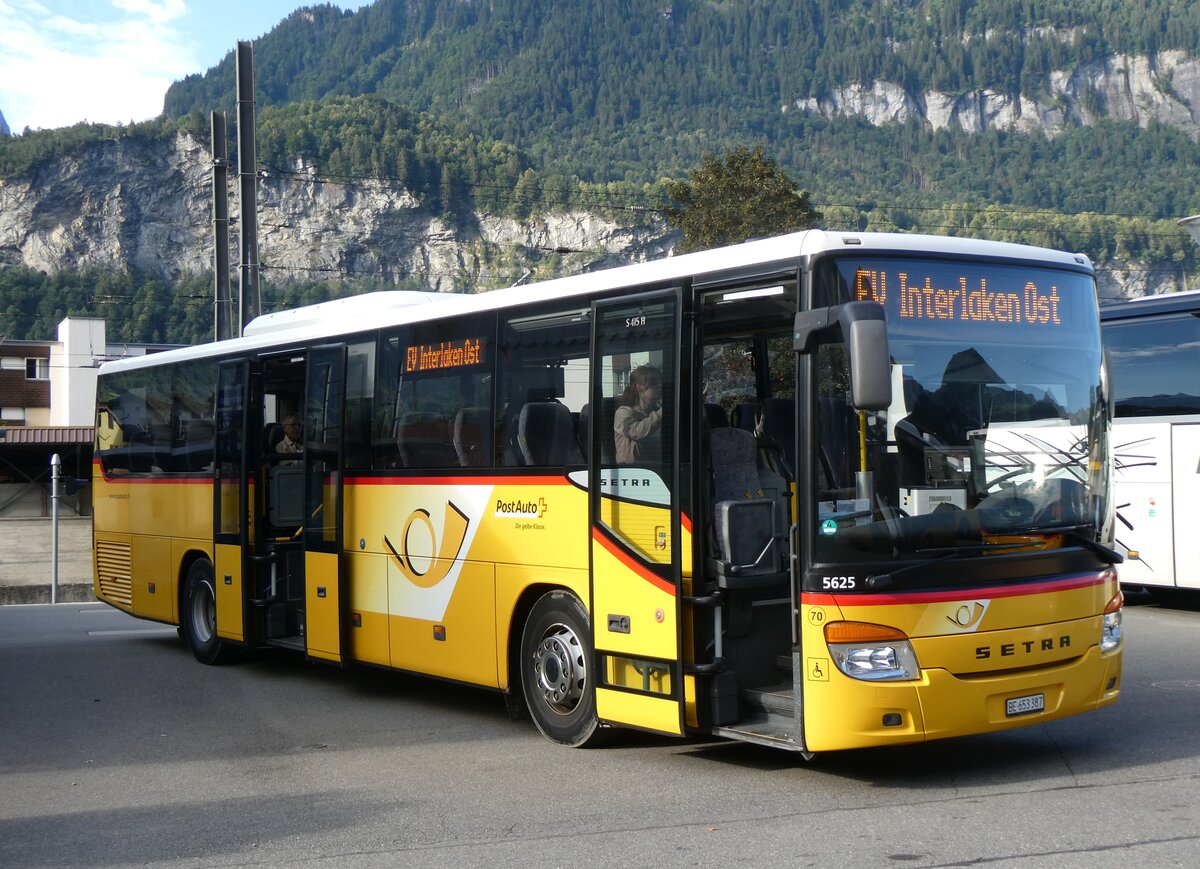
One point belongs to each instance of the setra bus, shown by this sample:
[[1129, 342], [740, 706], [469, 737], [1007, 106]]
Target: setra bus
[[1153, 346], [820, 491]]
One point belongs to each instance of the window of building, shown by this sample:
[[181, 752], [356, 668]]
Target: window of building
[[12, 414], [37, 369]]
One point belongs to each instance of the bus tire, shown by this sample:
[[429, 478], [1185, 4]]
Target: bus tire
[[557, 670], [198, 615]]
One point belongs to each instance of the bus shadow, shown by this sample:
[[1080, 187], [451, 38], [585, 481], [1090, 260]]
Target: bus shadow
[[963, 762], [1185, 599], [1055, 753]]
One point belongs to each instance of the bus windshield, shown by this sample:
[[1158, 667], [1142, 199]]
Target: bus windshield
[[994, 440]]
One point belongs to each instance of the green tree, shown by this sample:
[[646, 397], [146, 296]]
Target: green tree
[[739, 196]]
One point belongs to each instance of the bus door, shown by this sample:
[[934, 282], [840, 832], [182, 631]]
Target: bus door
[[636, 547], [233, 531], [324, 408]]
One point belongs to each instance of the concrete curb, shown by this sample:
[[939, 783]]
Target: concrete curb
[[74, 592]]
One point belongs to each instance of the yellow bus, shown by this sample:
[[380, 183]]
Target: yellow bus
[[820, 491]]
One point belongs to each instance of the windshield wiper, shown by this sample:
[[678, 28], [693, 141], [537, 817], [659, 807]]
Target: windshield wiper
[[1074, 533], [941, 553], [1071, 532]]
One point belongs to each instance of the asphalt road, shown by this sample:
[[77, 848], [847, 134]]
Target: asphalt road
[[117, 748]]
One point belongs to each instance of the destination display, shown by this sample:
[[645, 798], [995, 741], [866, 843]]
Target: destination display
[[443, 355], [912, 295]]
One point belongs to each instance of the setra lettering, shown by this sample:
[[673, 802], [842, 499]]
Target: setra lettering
[[1027, 647]]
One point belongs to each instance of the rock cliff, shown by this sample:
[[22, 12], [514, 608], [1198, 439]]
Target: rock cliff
[[1164, 87], [146, 204]]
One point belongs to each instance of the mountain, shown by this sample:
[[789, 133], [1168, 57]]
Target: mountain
[[460, 143], [4, 131], [639, 88]]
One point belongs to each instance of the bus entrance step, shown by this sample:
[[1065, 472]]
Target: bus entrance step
[[775, 700], [293, 642]]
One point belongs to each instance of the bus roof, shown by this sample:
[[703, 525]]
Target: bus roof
[[1146, 306], [371, 311]]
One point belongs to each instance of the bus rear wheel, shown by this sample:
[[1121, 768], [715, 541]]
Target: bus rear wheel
[[557, 671], [198, 615]]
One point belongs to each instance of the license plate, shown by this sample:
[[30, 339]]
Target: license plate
[[1025, 705]]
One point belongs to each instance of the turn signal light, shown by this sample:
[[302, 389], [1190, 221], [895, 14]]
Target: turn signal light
[[861, 632]]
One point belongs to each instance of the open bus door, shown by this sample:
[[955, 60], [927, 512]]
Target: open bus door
[[324, 410], [636, 545], [233, 531]]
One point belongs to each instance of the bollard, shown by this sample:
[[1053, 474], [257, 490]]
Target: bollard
[[55, 474]]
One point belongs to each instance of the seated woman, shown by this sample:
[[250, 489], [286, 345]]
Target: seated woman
[[637, 424]]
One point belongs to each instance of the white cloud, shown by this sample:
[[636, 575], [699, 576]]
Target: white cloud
[[160, 13], [111, 65]]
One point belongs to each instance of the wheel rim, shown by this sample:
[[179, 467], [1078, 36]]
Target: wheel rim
[[204, 612], [561, 669]]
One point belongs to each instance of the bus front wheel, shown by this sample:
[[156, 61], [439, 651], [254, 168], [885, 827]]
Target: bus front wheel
[[198, 615], [557, 670]]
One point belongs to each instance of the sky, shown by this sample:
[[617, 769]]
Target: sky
[[111, 61]]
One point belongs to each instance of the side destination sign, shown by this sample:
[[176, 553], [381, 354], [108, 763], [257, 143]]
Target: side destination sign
[[443, 355]]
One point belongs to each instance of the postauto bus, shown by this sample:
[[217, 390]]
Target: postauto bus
[[820, 491]]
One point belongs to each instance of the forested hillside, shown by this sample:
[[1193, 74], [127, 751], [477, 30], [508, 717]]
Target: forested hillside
[[635, 89]]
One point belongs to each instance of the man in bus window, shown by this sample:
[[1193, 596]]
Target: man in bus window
[[292, 435], [637, 423]]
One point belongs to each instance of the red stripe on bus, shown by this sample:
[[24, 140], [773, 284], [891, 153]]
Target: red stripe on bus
[[159, 481], [942, 596], [631, 564], [458, 481]]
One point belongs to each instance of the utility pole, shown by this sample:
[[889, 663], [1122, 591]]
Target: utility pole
[[222, 303], [250, 301], [55, 477]]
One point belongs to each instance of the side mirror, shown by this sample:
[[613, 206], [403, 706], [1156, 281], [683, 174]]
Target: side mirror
[[864, 331]]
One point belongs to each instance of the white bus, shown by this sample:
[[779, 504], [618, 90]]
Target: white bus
[[1153, 346]]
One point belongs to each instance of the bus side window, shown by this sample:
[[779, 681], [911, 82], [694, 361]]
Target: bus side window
[[544, 376], [428, 374], [110, 443]]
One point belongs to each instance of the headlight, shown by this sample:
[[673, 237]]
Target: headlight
[[1110, 632], [872, 653]]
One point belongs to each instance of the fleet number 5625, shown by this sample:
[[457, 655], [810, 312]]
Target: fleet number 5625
[[838, 583]]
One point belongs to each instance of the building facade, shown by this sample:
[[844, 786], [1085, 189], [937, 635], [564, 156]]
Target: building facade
[[25, 383]]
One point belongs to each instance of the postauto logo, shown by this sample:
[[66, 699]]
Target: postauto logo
[[521, 509]]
